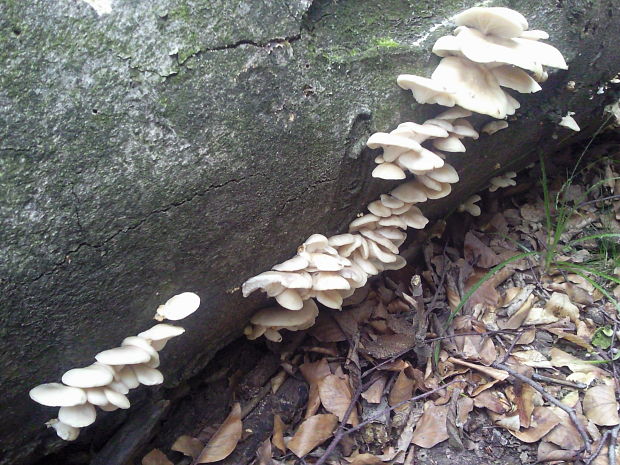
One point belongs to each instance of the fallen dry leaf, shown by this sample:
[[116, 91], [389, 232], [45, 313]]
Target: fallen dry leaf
[[600, 405], [363, 459], [278, 433], [402, 389], [225, 438], [156, 457], [336, 396], [374, 393], [490, 400], [560, 305], [312, 432], [500, 375], [188, 445], [431, 428], [313, 373], [532, 358], [479, 254], [263, 453], [565, 434]]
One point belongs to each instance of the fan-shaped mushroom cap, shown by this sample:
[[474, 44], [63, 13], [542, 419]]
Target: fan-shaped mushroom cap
[[393, 145], [419, 132], [569, 122], [388, 171], [494, 126], [96, 396], [476, 89], [470, 206], [315, 243], [443, 123], [409, 192], [438, 194], [380, 240], [377, 208], [380, 254], [395, 235], [449, 144], [415, 218], [178, 307], [365, 221], [399, 263], [64, 431], [446, 173], [126, 355], [277, 317], [77, 416], [446, 46], [498, 21], [399, 211], [290, 280], [90, 376], [428, 182], [427, 90], [128, 377], [463, 128], [516, 79], [137, 341], [329, 281], [331, 299], [147, 375], [161, 333], [57, 395], [297, 263], [116, 398], [394, 220], [390, 202], [290, 299], [453, 113], [425, 160], [504, 180]]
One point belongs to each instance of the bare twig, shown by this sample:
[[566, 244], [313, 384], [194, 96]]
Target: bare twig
[[612, 444], [598, 449], [518, 301], [486, 333], [562, 382], [552, 400], [512, 346]]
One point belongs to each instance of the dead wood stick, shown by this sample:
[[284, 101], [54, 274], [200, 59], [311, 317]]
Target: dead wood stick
[[612, 445], [516, 303], [562, 382], [552, 400], [511, 348], [598, 449]]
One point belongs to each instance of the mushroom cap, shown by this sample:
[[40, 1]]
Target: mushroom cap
[[280, 317], [494, 126], [137, 341], [329, 281], [415, 218], [377, 208], [340, 240], [515, 78], [394, 220], [290, 299], [388, 171], [449, 144], [64, 431], [534, 34], [379, 239], [377, 252], [147, 375], [179, 306], [420, 161], [435, 194], [444, 124], [446, 46], [384, 139], [498, 21], [364, 221], [87, 377], [453, 113], [390, 202], [96, 396], [427, 130], [429, 182], [128, 377], [326, 262], [77, 416], [315, 243], [446, 173], [463, 128], [409, 192], [57, 395], [159, 334], [331, 299], [569, 122], [126, 355], [294, 280], [476, 89], [427, 90], [116, 398], [296, 263]]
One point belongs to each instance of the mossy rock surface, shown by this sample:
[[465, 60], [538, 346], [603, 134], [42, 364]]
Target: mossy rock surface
[[185, 145]]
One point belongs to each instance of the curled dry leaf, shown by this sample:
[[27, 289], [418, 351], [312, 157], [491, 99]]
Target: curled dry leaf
[[600, 405], [188, 445], [156, 457], [313, 373], [402, 389], [336, 396], [263, 453], [278, 433], [312, 432], [560, 305], [565, 434], [374, 393], [225, 438], [431, 429], [490, 400]]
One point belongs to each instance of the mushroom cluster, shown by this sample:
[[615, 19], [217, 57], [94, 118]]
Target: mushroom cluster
[[106, 382], [490, 51]]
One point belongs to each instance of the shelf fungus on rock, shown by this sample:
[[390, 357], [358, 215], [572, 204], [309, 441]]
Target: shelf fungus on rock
[[106, 382]]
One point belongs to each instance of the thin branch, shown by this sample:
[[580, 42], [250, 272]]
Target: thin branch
[[562, 382], [598, 449], [612, 445]]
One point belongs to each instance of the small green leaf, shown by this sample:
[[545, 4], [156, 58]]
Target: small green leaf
[[602, 337]]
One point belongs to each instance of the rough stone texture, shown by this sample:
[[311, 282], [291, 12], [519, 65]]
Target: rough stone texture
[[188, 145]]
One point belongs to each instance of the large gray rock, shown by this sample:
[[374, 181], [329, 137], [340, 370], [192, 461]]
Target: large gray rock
[[186, 145]]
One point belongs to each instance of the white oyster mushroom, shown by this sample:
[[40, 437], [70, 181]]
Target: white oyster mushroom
[[290, 299], [389, 171], [144, 344], [269, 321], [126, 355], [96, 396], [409, 192], [470, 206], [128, 377], [57, 395], [427, 90], [534, 34], [498, 21], [569, 122], [505, 180], [88, 377], [78, 416], [449, 144], [147, 375], [493, 126], [64, 431], [516, 79], [366, 221], [297, 263], [160, 334], [277, 281], [178, 307], [117, 399]]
